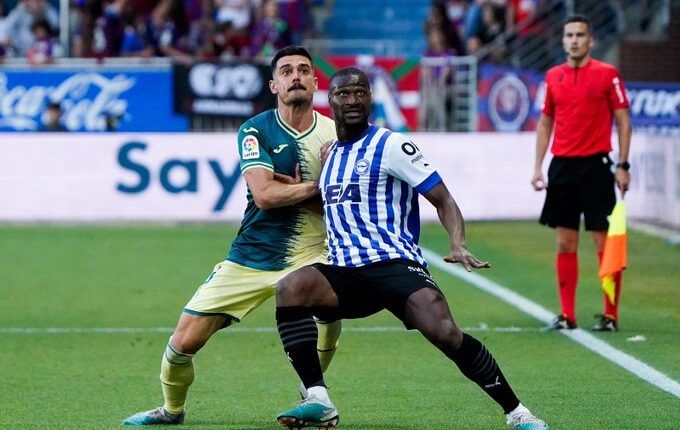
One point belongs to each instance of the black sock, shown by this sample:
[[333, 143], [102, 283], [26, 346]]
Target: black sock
[[299, 335], [477, 363]]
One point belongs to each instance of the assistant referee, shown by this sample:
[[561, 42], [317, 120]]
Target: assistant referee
[[581, 98]]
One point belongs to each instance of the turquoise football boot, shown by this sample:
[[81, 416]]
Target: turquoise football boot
[[310, 412], [158, 416], [526, 421]]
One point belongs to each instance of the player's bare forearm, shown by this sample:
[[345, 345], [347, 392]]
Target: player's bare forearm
[[622, 118], [269, 193], [452, 220], [543, 132]]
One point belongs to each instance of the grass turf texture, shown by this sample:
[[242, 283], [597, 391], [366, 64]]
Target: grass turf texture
[[142, 276]]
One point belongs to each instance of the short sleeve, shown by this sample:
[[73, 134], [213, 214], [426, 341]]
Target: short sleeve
[[406, 162], [617, 93], [252, 149], [548, 101]]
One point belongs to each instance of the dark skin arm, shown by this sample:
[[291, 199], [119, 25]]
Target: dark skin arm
[[452, 220]]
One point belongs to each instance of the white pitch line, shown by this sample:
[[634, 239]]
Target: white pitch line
[[598, 346], [483, 327]]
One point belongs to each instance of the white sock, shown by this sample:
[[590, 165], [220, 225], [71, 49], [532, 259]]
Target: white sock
[[319, 392], [520, 409]]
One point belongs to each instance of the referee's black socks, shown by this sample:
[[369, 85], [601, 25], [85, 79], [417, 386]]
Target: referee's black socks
[[477, 363], [299, 334]]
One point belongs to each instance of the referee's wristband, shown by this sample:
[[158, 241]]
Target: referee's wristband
[[623, 165]]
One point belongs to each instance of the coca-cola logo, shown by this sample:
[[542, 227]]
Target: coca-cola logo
[[86, 100]]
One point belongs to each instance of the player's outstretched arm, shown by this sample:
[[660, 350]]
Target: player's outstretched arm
[[452, 220], [270, 193]]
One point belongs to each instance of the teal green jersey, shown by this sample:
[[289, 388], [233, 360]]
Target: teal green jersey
[[276, 238]]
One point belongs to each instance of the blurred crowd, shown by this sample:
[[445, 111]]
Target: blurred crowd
[[182, 29], [466, 27]]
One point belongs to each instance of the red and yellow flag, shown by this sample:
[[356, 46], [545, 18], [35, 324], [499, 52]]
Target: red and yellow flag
[[614, 258]]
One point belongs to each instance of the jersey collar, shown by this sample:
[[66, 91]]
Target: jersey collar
[[290, 130], [364, 134]]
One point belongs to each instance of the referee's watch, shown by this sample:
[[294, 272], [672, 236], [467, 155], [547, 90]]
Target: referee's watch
[[623, 165]]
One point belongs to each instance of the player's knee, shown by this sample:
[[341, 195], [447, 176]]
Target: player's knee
[[567, 244], [449, 336], [185, 344]]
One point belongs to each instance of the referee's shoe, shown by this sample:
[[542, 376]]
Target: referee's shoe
[[605, 323], [560, 323]]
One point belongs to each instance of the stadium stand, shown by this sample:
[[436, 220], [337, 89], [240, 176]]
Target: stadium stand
[[382, 28]]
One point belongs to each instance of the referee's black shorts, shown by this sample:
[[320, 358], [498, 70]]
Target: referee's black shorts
[[366, 290], [579, 185]]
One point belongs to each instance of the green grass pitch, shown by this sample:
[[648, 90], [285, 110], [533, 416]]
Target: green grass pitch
[[140, 277]]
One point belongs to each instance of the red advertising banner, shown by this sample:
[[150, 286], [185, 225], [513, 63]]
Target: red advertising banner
[[394, 82]]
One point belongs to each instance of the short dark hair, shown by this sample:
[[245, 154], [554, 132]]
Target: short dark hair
[[578, 18], [288, 51], [347, 71]]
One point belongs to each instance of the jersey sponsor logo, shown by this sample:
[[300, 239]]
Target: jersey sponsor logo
[[280, 148], [409, 148], [362, 166], [250, 148], [342, 193], [251, 130]]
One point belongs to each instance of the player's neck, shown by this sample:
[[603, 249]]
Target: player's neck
[[578, 62], [300, 117], [349, 133]]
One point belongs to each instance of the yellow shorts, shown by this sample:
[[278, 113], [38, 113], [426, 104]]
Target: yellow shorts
[[235, 291]]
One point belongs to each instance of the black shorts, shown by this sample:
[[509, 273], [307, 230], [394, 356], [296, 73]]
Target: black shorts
[[579, 185], [366, 290]]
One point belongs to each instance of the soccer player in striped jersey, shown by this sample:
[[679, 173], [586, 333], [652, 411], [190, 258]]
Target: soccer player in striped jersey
[[370, 184], [280, 232]]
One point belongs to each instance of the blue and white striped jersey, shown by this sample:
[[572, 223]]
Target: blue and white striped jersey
[[370, 191]]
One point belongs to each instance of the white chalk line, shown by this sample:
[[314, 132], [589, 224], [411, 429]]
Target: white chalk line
[[598, 346]]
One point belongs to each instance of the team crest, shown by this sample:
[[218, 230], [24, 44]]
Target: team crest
[[361, 166], [250, 148]]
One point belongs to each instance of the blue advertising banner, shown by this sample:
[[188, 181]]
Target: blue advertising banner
[[655, 107], [511, 100], [123, 99]]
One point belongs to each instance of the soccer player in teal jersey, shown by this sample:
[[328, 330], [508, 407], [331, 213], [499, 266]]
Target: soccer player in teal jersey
[[281, 230]]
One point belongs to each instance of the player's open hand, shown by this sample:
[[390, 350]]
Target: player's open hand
[[538, 181], [280, 177], [325, 150], [467, 260]]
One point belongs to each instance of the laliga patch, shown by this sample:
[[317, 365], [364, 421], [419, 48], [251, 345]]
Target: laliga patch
[[250, 148], [361, 166]]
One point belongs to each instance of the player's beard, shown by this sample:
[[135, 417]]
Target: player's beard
[[298, 101]]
